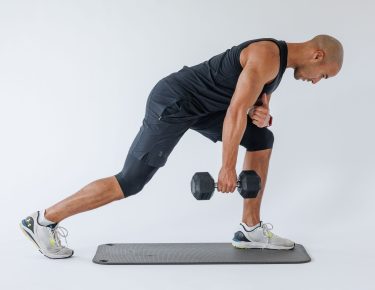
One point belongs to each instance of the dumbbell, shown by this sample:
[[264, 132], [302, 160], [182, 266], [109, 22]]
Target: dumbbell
[[203, 185]]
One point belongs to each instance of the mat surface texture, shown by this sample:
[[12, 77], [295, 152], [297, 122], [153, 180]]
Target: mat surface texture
[[194, 253]]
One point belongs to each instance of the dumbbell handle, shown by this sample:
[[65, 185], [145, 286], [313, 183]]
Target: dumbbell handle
[[238, 184]]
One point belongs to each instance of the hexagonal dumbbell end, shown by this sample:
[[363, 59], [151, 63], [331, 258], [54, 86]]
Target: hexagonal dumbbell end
[[202, 185], [250, 184]]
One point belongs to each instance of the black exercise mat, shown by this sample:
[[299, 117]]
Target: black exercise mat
[[194, 253]]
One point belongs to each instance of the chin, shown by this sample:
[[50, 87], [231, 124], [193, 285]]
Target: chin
[[296, 75]]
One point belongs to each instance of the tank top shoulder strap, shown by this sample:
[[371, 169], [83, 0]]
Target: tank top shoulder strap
[[282, 48]]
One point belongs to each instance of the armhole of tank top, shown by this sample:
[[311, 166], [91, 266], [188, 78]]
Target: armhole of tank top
[[247, 43], [238, 54], [281, 61], [283, 55]]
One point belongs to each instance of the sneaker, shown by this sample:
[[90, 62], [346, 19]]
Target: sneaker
[[46, 238], [260, 237]]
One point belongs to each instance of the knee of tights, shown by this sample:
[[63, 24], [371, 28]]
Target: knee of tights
[[261, 141], [128, 186], [134, 175]]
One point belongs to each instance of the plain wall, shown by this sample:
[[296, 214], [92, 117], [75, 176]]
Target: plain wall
[[74, 80]]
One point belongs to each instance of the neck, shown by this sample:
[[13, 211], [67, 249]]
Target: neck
[[294, 54]]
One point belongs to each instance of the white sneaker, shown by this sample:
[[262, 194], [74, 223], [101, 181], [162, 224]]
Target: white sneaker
[[46, 238], [260, 237]]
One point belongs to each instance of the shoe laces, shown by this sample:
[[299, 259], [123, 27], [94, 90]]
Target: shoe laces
[[57, 232], [267, 227]]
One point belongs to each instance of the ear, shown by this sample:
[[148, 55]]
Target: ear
[[318, 55]]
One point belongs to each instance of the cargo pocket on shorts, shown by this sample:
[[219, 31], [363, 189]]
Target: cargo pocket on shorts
[[181, 111], [154, 142], [155, 159]]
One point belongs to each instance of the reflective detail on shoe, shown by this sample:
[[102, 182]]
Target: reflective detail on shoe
[[29, 223]]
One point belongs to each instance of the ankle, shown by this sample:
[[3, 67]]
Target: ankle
[[50, 216]]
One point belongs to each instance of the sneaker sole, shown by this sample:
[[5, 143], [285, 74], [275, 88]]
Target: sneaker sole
[[37, 246], [255, 245]]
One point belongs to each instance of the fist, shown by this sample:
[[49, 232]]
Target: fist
[[227, 180], [261, 114]]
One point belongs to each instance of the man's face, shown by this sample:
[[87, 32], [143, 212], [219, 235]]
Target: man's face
[[315, 71]]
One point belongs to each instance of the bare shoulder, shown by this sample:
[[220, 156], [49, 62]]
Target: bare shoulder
[[262, 55]]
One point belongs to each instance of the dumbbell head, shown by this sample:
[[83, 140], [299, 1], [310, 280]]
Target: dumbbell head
[[202, 185], [250, 184]]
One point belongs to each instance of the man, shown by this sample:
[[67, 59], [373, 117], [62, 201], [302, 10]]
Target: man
[[225, 98]]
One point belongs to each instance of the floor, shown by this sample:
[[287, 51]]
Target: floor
[[340, 267]]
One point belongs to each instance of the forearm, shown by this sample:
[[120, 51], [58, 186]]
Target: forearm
[[248, 88], [234, 127]]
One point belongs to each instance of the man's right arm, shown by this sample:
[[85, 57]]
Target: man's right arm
[[249, 86], [257, 71]]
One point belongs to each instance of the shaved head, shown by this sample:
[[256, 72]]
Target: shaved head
[[318, 58], [333, 49]]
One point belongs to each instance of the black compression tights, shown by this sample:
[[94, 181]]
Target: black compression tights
[[134, 175]]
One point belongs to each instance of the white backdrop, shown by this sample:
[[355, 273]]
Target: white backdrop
[[74, 80]]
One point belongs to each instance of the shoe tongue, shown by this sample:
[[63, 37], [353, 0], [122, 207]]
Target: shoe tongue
[[52, 226]]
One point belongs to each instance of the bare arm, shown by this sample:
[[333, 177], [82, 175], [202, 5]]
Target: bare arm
[[260, 66], [249, 86]]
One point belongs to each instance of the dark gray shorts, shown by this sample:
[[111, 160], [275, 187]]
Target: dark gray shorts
[[167, 119]]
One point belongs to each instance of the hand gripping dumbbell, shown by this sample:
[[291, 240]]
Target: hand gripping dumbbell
[[203, 185]]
